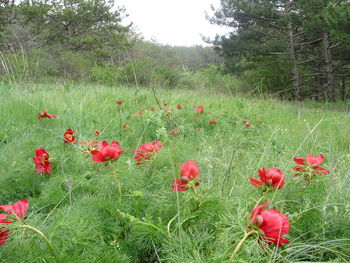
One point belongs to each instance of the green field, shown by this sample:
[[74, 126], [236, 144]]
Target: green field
[[121, 212]]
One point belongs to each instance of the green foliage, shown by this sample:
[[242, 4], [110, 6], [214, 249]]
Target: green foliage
[[106, 75], [60, 39], [269, 80]]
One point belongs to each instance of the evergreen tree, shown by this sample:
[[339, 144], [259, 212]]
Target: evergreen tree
[[271, 36]]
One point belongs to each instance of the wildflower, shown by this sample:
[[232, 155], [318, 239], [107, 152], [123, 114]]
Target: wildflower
[[19, 209], [146, 151], [153, 109], [189, 176], [98, 132], [106, 152], [69, 137], [309, 167], [167, 110], [125, 125], [41, 160], [119, 102], [179, 107], [189, 170], [175, 131], [46, 115], [165, 104], [272, 178], [213, 121], [138, 113], [200, 109], [271, 224], [247, 123]]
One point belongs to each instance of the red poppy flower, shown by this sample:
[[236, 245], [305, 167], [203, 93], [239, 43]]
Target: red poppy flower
[[213, 121], [309, 167], [271, 224], [119, 102], [189, 176], [107, 152], [247, 123], [272, 177], [153, 109], [189, 170], [311, 160], [68, 137], [146, 151], [175, 132], [179, 106], [46, 115], [98, 133], [41, 160], [167, 110], [200, 109], [19, 209]]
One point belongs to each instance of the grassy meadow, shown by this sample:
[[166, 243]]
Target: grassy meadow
[[122, 212]]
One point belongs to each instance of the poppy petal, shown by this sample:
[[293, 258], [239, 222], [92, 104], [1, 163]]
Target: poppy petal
[[19, 208], [255, 182], [262, 174], [321, 170], [299, 160], [314, 160]]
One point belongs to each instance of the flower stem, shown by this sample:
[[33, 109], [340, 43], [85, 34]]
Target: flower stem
[[260, 199], [120, 121], [247, 234], [117, 182], [41, 234], [198, 201]]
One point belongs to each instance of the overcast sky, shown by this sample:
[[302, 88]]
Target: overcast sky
[[173, 22]]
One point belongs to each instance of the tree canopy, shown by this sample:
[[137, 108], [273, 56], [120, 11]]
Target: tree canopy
[[92, 26], [300, 48]]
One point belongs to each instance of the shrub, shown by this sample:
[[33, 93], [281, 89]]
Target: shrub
[[106, 75]]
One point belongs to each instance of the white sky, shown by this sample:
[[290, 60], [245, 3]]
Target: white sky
[[172, 22]]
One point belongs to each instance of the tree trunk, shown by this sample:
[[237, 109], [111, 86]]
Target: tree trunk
[[329, 67], [291, 51], [344, 90]]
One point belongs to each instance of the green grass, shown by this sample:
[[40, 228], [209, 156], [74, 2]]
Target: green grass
[[92, 212]]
